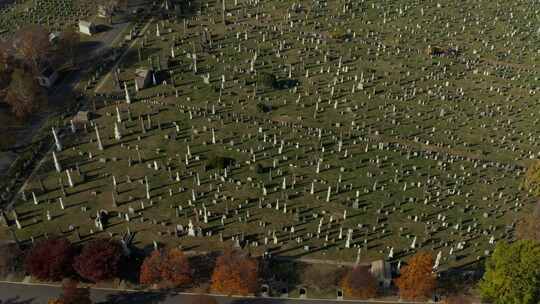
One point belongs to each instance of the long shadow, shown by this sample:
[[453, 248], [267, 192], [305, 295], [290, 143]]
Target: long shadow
[[16, 300], [135, 298]]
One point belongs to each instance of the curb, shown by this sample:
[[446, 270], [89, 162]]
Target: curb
[[220, 295]]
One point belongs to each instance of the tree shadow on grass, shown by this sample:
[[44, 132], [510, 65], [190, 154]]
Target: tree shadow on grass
[[16, 300], [135, 298]]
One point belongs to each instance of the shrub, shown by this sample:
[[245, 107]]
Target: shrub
[[219, 162], [50, 259], [417, 280], [360, 283], [99, 260], [512, 274], [235, 273], [266, 80]]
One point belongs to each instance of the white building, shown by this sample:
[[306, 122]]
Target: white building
[[86, 27]]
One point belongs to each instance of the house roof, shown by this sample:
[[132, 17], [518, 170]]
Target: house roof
[[141, 73], [54, 35], [85, 23]]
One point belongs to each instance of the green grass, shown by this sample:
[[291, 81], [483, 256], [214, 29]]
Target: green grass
[[475, 128]]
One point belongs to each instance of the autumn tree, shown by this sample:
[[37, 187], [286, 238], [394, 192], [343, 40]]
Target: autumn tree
[[50, 259], [150, 272], [73, 294], [175, 268], [235, 273], [170, 266], [528, 227], [24, 94], [512, 274], [11, 260], [360, 283], [417, 280], [99, 260], [33, 45]]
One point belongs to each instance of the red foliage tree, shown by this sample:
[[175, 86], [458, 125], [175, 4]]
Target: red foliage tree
[[175, 268], [99, 260], [235, 273], [360, 283], [50, 259], [417, 280], [151, 268]]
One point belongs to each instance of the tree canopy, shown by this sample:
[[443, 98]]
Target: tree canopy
[[33, 45], [170, 267], [99, 260], [24, 94], [175, 269], [235, 273], [417, 280], [513, 274], [151, 268], [50, 259], [532, 178], [360, 283], [267, 80], [528, 227]]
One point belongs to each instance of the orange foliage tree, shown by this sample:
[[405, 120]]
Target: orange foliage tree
[[176, 269], [417, 280], [359, 283], [151, 269], [171, 266], [235, 273]]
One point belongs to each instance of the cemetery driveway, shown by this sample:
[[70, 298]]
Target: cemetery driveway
[[69, 82], [14, 293]]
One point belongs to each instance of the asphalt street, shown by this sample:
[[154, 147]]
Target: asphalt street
[[14, 293]]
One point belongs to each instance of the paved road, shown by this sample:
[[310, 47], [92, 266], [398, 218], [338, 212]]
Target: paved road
[[25, 134], [40, 294]]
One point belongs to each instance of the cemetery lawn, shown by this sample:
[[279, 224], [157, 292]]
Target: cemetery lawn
[[406, 150]]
